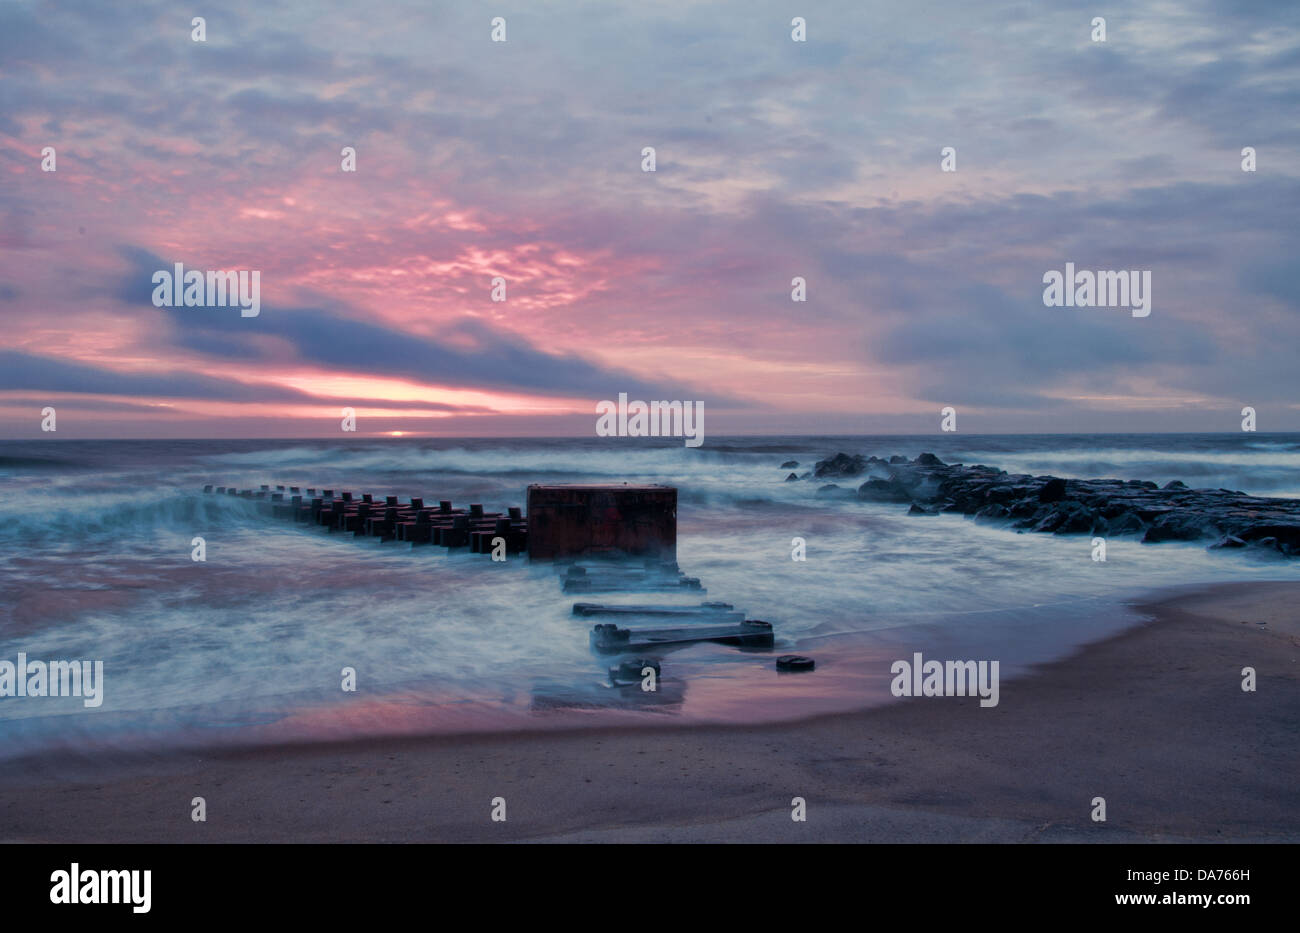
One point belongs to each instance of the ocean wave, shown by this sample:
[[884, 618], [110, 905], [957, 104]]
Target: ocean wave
[[51, 518]]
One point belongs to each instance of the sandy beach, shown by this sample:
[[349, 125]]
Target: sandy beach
[[1154, 720]]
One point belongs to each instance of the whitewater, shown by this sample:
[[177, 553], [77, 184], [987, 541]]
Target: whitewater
[[249, 645]]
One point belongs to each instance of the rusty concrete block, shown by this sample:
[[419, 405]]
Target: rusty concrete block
[[602, 520]]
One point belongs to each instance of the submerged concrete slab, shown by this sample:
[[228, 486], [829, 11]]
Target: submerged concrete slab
[[705, 612], [611, 639]]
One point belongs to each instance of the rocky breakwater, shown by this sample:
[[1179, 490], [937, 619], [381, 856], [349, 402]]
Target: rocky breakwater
[[1106, 507]]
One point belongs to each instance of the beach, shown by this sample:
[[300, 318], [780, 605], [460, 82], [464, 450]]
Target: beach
[[633, 424], [1153, 719]]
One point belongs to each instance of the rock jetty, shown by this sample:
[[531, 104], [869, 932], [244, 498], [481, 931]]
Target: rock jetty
[[1174, 512]]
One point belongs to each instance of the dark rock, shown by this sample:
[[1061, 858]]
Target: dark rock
[[1283, 534], [841, 465], [793, 477], [1179, 526], [1024, 508], [1051, 520], [1175, 484], [1150, 513], [1053, 490], [1127, 523], [789, 464], [795, 662], [1079, 519], [1102, 506]]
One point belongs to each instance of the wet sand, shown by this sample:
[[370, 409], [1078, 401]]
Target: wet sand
[[1154, 720]]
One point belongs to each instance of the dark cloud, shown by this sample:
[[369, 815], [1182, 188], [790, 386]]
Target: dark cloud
[[27, 372], [471, 355], [43, 373]]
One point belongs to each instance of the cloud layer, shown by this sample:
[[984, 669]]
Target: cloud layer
[[775, 159]]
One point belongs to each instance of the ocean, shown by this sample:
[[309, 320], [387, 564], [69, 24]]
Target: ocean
[[249, 646]]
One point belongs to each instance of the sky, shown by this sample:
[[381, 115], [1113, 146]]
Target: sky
[[523, 160]]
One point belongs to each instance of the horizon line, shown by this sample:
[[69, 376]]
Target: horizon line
[[669, 440]]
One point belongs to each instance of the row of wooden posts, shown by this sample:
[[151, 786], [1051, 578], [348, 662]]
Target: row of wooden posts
[[388, 519], [571, 519]]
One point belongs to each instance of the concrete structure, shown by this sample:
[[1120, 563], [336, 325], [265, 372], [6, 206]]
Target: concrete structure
[[568, 521]]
